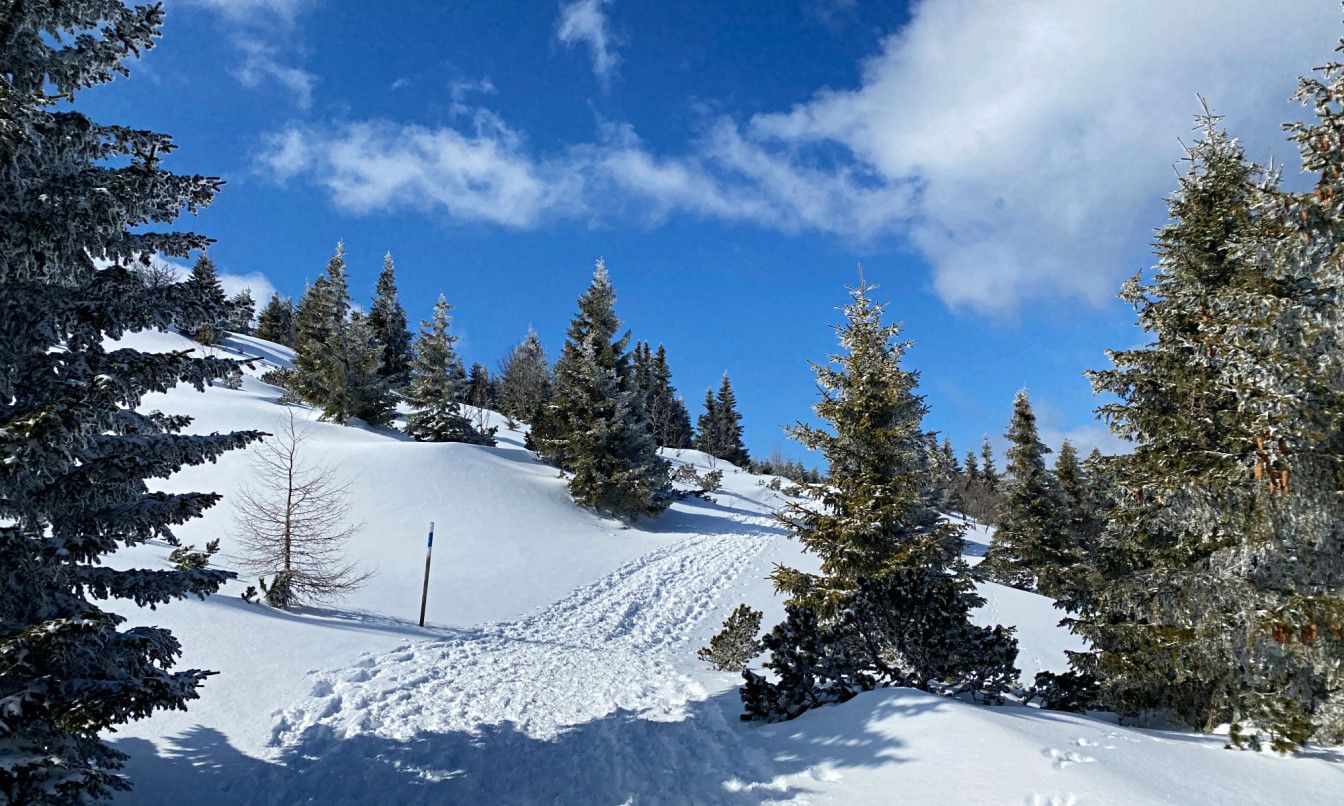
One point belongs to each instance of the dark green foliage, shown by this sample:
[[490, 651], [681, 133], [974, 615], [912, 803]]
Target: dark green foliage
[[82, 206], [667, 414], [437, 385], [594, 426], [279, 594], [344, 380], [1032, 548], [187, 558], [720, 427], [276, 321], [733, 647], [1069, 691], [891, 604], [480, 389], [908, 628], [210, 313], [387, 319]]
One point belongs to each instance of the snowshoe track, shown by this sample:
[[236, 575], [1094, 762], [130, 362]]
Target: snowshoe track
[[607, 646]]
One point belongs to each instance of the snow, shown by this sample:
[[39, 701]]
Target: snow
[[557, 664]]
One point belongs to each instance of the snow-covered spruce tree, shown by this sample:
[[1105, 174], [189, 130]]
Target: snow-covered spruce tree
[[212, 310], [242, 310], [525, 379], [78, 200], [437, 385], [344, 381], [1217, 593], [322, 311], [891, 604], [1031, 548], [594, 425], [388, 320], [293, 521], [276, 321]]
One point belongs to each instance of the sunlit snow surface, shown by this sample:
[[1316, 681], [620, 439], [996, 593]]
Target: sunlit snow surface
[[557, 664]]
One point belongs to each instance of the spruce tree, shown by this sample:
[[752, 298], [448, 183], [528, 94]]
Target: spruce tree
[[80, 201], [1217, 586], [388, 320], [989, 474], [276, 321], [720, 426], [1080, 511], [345, 382], [242, 310], [890, 605], [594, 425], [707, 427], [437, 385], [211, 312], [525, 379], [1030, 548], [667, 413], [321, 317], [479, 391]]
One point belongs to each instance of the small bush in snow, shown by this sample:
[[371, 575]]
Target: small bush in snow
[[1070, 691], [736, 644], [187, 558]]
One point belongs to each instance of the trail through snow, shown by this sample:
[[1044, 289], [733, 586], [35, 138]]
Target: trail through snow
[[611, 647]]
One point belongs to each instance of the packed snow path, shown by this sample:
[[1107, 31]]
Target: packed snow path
[[604, 657]]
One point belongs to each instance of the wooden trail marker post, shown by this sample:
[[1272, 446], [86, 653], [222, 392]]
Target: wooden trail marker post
[[424, 592]]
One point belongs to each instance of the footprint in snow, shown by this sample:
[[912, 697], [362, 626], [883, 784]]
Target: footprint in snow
[[1065, 758], [1053, 799]]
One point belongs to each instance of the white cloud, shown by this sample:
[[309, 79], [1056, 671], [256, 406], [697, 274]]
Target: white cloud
[[1041, 133], [265, 33], [1023, 146], [585, 22], [261, 64], [480, 176]]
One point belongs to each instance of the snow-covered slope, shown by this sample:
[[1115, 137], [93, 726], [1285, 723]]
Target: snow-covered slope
[[558, 663]]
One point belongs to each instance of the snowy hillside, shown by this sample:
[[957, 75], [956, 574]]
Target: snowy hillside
[[557, 664]]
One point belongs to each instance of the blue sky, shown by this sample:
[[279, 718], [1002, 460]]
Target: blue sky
[[998, 167]]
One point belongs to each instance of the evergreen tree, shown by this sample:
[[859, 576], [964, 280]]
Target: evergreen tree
[[721, 427], [667, 413], [478, 390], [972, 466], [707, 427], [321, 318], [1080, 510], [594, 425], [437, 385], [1030, 548], [276, 322], [525, 382], [891, 603], [242, 310], [211, 311], [989, 474], [1218, 581], [388, 320], [78, 200], [345, 382]]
